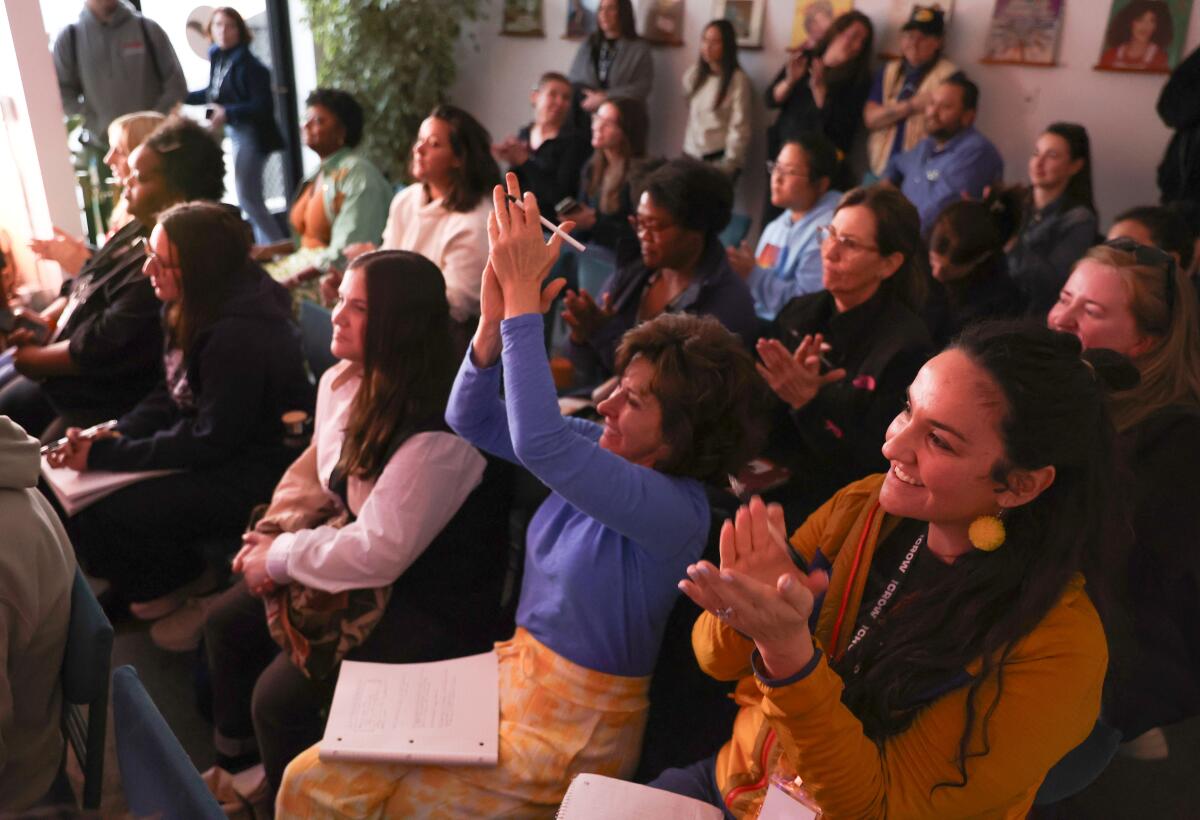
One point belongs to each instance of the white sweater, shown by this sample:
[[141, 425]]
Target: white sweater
[[725, 129], [456, 242]]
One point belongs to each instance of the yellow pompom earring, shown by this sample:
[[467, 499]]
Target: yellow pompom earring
[[986, 533]]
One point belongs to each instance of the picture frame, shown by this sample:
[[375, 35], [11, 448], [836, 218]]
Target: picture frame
[[1144, 36], [522, 18], [812, 18], [662, 22], [1024, 32], [747, 18], [581, 19]]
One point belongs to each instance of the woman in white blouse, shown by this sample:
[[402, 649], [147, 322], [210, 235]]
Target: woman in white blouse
[[718, 92], [416, 511]]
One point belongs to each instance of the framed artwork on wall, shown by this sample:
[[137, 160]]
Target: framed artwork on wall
[[898, 12], [1024, 32], [581, 18], [662, 22], [1145, 35], [813, 18], [523, 18], [747, 19]]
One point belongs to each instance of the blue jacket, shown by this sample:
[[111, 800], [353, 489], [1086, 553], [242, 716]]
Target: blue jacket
[[933, 177], [245, 93]]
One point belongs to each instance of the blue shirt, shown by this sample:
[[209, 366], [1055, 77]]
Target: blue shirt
[[787, 262], [605, 551], [932, 178]]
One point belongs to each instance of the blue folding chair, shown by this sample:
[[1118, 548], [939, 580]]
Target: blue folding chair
[[86, 662], [736, 230], [316, 332], [157, 776]]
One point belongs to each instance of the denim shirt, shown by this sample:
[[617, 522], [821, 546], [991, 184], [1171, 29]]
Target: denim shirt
[[787, 262], [933, 177]]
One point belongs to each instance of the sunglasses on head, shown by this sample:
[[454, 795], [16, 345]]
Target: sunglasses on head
[[1152, 257]]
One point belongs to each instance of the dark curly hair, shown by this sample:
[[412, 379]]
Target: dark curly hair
[[713, 400], [343, 106], [1120, 30], [192, 162], [696, 195]]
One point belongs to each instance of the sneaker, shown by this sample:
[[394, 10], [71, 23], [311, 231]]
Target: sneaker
[[181, 630], [164, 605], [1149, 745]]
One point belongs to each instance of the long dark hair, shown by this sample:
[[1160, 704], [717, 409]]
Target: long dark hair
[[408, 358], [729, 61], [1055, 413], [635, 123], [897, 230], [213, 248], [471, 143], [1079, 186], [859, 69], [973, 232], [627, 21]]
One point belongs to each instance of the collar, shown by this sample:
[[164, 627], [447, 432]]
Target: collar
[[861, 320], [951, 143], [825, 203]]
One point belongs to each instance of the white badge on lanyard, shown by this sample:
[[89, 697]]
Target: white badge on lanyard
[[787, 800]]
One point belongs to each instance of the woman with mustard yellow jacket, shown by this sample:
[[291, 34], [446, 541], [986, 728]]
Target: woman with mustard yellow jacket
[[938, 654]]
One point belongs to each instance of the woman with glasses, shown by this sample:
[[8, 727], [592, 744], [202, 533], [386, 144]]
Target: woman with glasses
[[845, 354], [1130, 298], [232, 365], [682, 267], [787, 262]]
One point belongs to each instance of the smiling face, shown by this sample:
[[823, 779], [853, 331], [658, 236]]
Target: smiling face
[[224, 31], [846, 46], [433, 159], [943, 446], [852, 268], [1051, 166], [350, 317], [633, 417], [551, 103], [162, 266], [1094, 306]]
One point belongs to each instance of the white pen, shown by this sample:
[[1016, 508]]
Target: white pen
[[87, 432], [550, 226]]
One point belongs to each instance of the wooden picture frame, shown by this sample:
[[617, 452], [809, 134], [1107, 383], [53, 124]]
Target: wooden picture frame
[[1024, 32], [747, 18]]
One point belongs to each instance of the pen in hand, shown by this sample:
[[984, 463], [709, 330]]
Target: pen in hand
[[550, 226], [87, 432]]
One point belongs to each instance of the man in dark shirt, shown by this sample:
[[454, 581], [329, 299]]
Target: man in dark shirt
[[548, 154], [105, 351]]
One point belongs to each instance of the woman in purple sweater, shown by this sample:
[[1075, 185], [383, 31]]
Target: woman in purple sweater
[[626, 514]]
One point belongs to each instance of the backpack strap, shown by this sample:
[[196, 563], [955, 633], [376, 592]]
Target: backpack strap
[[158, 75]]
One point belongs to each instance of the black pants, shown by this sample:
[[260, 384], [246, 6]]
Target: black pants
[[154, 536], [258, 692], [24, 401]]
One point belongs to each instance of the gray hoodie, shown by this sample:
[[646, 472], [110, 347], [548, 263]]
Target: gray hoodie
[[37, 568], [107, 69]]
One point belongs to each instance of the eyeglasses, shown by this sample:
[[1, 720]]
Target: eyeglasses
[[1152, 257], [828, 233], [143, 244], [641, 226], [784, 170]]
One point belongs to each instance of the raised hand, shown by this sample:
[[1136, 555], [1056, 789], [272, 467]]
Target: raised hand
[[519, 256], [795, 377]]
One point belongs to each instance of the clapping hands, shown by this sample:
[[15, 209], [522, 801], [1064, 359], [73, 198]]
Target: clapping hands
[[796, 377]]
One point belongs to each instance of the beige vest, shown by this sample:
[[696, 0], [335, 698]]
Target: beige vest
[[879, 142]]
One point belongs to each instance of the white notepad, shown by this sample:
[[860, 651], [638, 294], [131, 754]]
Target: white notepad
[[596, 797], [76, 491], [447, 712]]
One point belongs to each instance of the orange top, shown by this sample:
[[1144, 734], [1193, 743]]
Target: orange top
[[309, 219]]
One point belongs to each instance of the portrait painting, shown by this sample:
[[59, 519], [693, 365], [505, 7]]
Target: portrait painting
[[581, 18], [813, 18], [1145, 35], [662, 22], [898, 12], [1024, 32], [522, 18], [747, 19]]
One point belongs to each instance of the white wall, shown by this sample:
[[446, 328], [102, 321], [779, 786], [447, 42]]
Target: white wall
[[35, 166], [495, 74]]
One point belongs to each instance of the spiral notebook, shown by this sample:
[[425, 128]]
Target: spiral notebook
[[596, 797], [446, 712]]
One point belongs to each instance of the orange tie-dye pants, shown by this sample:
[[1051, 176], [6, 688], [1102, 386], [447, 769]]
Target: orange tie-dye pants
[[557, 720]]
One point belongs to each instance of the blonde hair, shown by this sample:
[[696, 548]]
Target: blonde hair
[[1170, 368], [128, 131]]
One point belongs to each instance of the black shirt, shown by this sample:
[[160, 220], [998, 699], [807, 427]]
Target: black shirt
[[552, 171]]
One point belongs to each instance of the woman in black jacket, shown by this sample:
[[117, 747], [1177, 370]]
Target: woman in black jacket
[[233, 366], [239, 97]]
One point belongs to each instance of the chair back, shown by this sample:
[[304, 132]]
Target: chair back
[[157, 776], [736, 230], [316, 332], [86, 663]]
